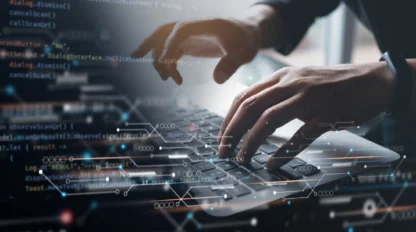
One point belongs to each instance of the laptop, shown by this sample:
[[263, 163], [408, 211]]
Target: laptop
[[222, 186]]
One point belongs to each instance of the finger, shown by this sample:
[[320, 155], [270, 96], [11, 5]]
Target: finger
[[153, 40], [174, 73], [172, 67], [183, 31], [273, 118], [144, 48], [249, 112], [254, 89], [227, 66], [160, 68], [302, 139]]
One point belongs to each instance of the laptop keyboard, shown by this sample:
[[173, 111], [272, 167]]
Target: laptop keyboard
[[229, 178]]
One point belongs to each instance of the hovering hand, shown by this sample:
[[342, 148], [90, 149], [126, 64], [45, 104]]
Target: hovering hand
[[236, 42]]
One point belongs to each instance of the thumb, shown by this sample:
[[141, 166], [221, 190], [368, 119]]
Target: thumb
[[227, 66]]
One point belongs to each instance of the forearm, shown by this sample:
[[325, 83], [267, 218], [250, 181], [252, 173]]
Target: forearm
[[270, 26]]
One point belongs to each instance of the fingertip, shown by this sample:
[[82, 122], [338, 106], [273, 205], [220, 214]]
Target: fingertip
[[220, 77]]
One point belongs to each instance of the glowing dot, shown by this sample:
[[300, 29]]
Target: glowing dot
[[66, 217], [225, 196], [206, 146], [288, 202], [75, 62], [253, 222], [123, 146], [47, 49], [118, 129], [93, 204], [274, 192], [63, 194], [329, 143], [404, 157], [86, 155], [351, 150], [350, 229], [173, 174], [160, 148], [120, 166], [336, 131], [358, 127], [250, 78], [365, 166], [189, 215], [319, 167], [348, 173], [332, 214], [9, 90], [405, 184], [391, 174], [124, 116], [107, 179], [40, 172], [211, 160], [287, 151]]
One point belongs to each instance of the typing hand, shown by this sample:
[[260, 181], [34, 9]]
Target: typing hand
[[235, 41], [315, 94]]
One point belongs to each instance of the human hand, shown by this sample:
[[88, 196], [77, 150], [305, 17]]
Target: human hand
[[312, 94], [236, 41]]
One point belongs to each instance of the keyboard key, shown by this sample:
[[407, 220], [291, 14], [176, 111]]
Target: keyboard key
[[253, 182], [238, 173], [207, 115], [214, 159], [184, 151], [194, 118], [191, 128], [182, 124], [307, 170], [226, 166], [201, 123], [209, 140], [253, 166], [240, 190], [224, 194], [291, 173], [195, 144], [261, 158], [210, 128], [296, 162], [215, 174], [216, 121], [268, 148], [196, 158], [267, 176], [201, 192], [227, 181], [202, 134], [197, 110], [215, 133], [234, 153], [185, 114], [204, 166], [206, 151]]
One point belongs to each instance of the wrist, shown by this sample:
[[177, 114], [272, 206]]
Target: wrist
[[268, 24], [387, 84]]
